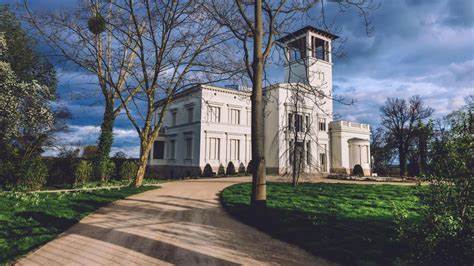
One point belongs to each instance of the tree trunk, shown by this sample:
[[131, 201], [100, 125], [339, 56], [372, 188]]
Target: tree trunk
[[142, 163], [293, 153], [422, 150], [259, 192], [105, 140], [402, 158]]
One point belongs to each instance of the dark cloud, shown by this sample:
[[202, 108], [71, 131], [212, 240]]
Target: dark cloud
[[418, 47], [460, 13], [44, 4]]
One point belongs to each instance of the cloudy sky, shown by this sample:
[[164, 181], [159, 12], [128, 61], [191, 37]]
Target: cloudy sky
[[418, 47]]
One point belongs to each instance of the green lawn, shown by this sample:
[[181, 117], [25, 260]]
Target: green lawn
[[28, 220], [345, 223]]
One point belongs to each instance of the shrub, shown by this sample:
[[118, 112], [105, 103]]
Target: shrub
[[32, 174], [358, 170], [61, 170], [230, 169], [82, 173], [250, 167], [221, 170], [152, 172], [128, 171], [207, 172], [119, 158], [443, 233], [7, 174], [242, 169], [107, 170]]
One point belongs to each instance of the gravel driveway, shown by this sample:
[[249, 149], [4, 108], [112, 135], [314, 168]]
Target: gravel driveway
[[181, 223]]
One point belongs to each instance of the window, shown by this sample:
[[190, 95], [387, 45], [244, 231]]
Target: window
[[171, 151], [188, 148], [297, 154], [320, 49], [299, 123], [295, 121], [290, 151], [173, 118], [308, 153], [234, 116], [158, 150], [322, 160], [248, 150], [322, 124], [190, 115], [214, 113], [297, 49], [290, 121], [214, 148], [234, 149]]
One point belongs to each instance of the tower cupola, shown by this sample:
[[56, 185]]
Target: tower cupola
[[308, 55]]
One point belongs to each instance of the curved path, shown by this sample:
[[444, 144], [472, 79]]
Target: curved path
[[181, 223]]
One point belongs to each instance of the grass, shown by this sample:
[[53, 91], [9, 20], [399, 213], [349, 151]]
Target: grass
[[29, 220], [345, 223], [106, 184]]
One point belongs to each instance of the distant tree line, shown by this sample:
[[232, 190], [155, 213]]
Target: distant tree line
[[440, 152], [410, 136]]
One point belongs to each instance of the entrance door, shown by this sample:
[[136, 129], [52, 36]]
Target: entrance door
[[297, 160], [323, 162]]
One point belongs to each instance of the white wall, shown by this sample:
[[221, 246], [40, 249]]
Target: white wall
[[280, 102], [350, 145], [225, 99], [182, 130]]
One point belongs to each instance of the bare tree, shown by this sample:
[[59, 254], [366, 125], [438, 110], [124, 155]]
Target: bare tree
[[400, 118], [301, 129], [255, 24], [308, 101], [382, 148], [94, 38], [176, 46]]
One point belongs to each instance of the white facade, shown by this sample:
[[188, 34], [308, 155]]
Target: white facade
[[204, 125], [211, 125]]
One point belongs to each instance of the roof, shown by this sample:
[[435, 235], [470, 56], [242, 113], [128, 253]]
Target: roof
[[305, 29], [200, 87]]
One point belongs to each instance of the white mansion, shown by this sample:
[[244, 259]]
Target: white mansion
[[211, 125]]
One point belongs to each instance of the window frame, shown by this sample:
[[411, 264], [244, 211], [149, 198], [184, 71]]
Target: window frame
[[234, 114], [214, 149], [214, 117], [322, 125], [174, 118], [190, 114], [155, 150], [172, 150], [188, 148]]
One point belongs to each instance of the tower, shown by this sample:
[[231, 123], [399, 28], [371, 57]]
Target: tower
[[308, 57]]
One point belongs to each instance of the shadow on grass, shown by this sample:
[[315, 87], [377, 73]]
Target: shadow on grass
[[339, 239], [25, 226], [47, 220], [325, 229], [22, 238]]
